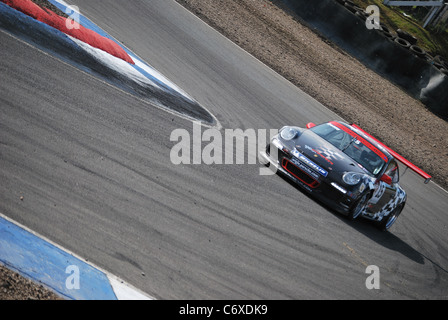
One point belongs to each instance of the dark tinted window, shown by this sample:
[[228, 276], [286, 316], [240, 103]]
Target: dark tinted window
[[392, 171], [351, 146]]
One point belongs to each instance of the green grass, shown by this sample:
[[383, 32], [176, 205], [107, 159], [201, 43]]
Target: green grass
[[433, 40]]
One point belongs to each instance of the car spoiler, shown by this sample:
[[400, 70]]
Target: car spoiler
[[397, 156]]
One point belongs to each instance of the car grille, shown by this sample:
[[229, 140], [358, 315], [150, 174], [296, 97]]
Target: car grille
[[299, 174]]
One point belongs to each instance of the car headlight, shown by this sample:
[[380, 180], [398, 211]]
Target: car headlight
[[351, 178], [288, 133]]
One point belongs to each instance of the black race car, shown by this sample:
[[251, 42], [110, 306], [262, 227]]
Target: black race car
[[344, 167]]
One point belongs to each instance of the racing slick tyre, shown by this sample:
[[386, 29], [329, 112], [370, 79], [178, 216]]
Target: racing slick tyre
[[358, 207], [407, 36], [350, 6], [402, 42], [418, 51], [361, 15], [388, 221], [441, 61], [384, 30]]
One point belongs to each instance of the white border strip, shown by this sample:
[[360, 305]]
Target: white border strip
[[122, 290]]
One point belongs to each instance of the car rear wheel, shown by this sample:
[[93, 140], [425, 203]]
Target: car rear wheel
[[358, 207], [391, 218]]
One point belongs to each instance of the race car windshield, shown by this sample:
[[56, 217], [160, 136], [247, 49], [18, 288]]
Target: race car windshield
[[352, 145]]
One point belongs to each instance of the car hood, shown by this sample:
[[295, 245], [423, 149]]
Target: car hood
[[325, 154]]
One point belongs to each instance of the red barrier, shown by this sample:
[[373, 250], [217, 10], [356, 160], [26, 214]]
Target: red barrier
[[76, 31]]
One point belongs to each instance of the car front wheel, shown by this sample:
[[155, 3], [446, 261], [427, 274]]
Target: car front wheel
[[358, 207]]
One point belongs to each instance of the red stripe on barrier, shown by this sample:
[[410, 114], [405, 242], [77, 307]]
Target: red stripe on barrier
[[76, 31]]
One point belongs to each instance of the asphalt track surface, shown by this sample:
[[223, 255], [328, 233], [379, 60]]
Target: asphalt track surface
[[92, 164]]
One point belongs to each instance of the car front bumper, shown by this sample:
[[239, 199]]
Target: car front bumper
[[319, 187]]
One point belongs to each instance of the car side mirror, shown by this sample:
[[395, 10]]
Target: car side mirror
[[310, 125], [385, 178]]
